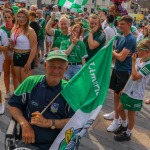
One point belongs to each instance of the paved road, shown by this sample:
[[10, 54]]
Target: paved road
[[97, 138]]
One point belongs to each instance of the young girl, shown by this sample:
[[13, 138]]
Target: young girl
[[133, 93], [75, 50], [4, 42], [8, 55]]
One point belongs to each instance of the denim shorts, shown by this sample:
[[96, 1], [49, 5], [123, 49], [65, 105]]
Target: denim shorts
[[72, 70], [41, 45]]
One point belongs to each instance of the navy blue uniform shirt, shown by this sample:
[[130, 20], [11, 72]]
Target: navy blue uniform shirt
[[34, 94]]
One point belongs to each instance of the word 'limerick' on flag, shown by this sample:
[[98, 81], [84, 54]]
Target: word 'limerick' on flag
[[72, 3], [85, 93]]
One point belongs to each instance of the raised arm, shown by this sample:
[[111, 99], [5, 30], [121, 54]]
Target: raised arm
[[49, 28]]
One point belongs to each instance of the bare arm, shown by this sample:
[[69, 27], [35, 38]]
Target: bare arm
[[91, 42], [33, 44], [122, 55], [49, 28], [3, 48], [135, 74], [69, 50], [28, 135]]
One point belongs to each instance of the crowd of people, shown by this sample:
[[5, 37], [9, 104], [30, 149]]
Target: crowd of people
[[64, 42]]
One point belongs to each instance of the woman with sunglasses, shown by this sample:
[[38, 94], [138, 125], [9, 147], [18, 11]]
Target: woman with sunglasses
[[8, 55], [24, 42]]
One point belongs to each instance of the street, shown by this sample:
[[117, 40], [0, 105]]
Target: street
[[97, 138]]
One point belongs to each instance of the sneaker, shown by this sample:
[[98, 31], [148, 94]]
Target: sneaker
[[122, 137], [45, 55], [120, 129], [7, 95], [109, 116], [2, 109], [114, 126], [42, 61]]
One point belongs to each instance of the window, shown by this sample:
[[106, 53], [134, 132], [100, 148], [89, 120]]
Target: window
[[93, 1], [103, 2], [92, 10], [85, 9]]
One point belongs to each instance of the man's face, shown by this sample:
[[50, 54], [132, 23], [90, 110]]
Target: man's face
[[124, 26], [55, 69]]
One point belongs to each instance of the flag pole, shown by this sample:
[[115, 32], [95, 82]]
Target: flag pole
[[50, 103]]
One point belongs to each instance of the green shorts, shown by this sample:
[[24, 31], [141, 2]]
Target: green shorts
[[130, 103]]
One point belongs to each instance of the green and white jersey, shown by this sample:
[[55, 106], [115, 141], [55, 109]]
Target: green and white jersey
[[6, 30], [136, 89], [3, 38], [78, 52]]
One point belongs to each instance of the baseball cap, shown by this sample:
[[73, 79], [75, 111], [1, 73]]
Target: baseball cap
[[104, 9], [118, 18], [57, 54], [55, 6], [15, 9]]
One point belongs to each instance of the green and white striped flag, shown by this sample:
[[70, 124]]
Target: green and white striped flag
[[85, 93], [72, 3]]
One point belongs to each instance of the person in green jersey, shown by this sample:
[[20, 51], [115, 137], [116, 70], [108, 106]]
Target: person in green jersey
[[41, 34], [94, 39], [75, 49], [59, 34]]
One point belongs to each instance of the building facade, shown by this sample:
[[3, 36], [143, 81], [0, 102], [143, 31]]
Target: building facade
[[91, 5]]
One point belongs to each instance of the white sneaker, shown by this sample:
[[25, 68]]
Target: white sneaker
[[2, 109], [109, 116], [114, 126], [7, 95]]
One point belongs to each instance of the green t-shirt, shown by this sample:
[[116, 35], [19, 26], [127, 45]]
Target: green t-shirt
[[78, 52], [41, 33], [59, 37], [100, 37]]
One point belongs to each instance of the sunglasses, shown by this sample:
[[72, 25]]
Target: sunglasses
[[21, 18]]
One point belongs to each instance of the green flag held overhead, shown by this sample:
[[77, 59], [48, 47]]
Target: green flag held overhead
[[85, 93], [72, 3]]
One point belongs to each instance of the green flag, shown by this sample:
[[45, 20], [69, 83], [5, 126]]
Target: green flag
[[85, 93], [72, 3]]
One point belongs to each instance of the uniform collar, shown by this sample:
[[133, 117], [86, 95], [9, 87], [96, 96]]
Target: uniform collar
[[45, 84]]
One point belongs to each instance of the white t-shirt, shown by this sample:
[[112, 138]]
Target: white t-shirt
[[3, 42], [104, 24], [110, 33], [136, 89], [140, 37]]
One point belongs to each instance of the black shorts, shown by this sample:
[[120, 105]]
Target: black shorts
[[118, 80], [20, 59]]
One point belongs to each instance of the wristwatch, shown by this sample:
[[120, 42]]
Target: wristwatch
[[53, 124]]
